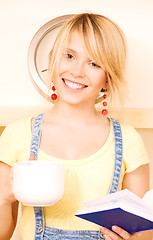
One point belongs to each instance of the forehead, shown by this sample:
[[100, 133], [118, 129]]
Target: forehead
[[76, 43], [75, 39]]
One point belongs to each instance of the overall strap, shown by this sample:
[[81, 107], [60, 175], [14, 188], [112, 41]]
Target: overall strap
[[118, 155], [39, 223], [38, 211], [36, 135]]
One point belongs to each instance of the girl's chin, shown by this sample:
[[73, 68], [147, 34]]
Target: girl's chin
[[75, 100]]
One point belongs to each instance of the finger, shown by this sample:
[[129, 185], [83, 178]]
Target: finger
[[11, 172], [10, 177], [137, 234], [109, 235], [124, 234], [11, 182], [107, 238], [32, 156]]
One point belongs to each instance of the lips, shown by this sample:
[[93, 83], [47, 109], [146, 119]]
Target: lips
[[73, 85]]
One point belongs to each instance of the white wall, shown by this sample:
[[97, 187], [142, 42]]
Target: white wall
[[19, 21]]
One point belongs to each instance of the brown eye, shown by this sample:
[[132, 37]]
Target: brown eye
[[69, 56], [94, 64]]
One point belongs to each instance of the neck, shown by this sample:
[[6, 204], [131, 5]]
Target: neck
[[74, 114]]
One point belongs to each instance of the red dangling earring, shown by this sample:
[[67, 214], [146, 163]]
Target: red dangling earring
[[104, 111], [53, 95]]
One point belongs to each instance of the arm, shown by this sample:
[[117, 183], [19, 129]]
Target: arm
[[136, 181], [140, 178], [8, 203]]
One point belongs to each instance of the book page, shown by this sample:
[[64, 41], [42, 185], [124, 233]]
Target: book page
[[148, 197], [123, 199], [112, 197]]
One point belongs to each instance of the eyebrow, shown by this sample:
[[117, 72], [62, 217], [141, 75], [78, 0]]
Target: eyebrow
[[72, 50]]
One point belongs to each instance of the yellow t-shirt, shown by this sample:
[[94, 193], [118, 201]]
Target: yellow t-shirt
[[85, 179]]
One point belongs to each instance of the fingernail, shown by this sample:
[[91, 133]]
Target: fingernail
[[102, 228], [114, 228]]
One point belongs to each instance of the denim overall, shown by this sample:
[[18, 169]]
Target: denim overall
[[46, 233]]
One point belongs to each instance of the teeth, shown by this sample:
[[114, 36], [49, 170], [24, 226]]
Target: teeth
[[73, 85]]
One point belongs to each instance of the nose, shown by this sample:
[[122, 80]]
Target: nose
[[78, 70]]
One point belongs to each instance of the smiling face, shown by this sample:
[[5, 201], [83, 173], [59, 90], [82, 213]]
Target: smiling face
[[78, 78], [101, 41]]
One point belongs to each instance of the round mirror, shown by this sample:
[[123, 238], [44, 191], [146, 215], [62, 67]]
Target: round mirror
[[38, 54]]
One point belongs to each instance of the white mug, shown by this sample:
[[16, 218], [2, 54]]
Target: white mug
[[38, 183]]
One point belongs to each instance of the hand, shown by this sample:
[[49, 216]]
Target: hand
[[6, 185], [121, 234]]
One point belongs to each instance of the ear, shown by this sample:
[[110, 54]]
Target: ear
[[106, 85]]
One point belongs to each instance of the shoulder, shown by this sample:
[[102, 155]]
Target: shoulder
[[130, 135], [131, 138], [17, 128], [134, 150], [128, 132], [15, 141]]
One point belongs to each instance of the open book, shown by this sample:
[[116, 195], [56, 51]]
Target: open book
[[123, 208]]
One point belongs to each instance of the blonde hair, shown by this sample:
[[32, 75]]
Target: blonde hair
[[105, 44]]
